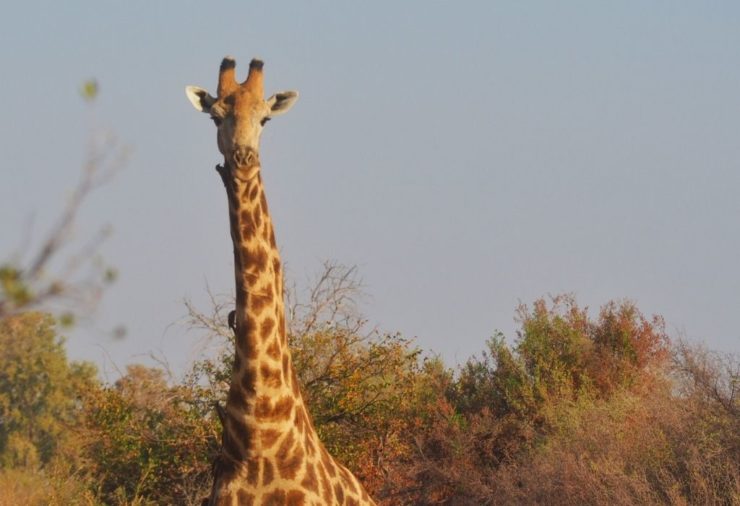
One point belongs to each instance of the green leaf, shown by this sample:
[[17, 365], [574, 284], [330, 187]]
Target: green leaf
[[67, 320], [89, 90]]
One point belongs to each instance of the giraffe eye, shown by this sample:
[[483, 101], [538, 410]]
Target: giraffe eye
[[264, 120]]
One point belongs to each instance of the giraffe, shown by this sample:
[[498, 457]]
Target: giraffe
[[270, 452]]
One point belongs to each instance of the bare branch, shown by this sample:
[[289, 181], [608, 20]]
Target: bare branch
[[32, 285], [709, 375]]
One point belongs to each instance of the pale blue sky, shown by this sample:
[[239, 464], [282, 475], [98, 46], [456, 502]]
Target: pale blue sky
[[465, 155]]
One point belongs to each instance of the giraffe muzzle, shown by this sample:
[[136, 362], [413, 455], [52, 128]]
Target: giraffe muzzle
[[245, 157]]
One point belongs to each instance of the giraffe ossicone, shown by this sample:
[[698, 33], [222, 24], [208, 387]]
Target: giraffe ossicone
[[270, 452]]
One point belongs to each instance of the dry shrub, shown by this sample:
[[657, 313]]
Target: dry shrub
[[579, 412], [649, 446], [37, 488]]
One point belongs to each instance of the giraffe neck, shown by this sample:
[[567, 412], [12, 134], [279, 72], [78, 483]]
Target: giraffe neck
[[264, 392], [270, 452]]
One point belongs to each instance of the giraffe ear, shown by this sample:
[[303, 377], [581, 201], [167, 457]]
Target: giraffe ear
[[200, 98], [281, 102]]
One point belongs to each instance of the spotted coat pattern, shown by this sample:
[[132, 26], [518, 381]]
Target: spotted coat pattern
[[270, 454]]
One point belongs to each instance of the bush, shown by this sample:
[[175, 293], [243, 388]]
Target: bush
[[147, 440], [577, 410]]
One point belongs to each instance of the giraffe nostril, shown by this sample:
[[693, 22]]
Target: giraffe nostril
[[244, 156]]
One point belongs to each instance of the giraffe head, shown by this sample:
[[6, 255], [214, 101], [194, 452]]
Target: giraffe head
[[240, 112]]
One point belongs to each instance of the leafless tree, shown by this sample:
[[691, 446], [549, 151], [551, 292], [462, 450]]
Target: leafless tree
[[713, 376], [328, 301], [30, 279]]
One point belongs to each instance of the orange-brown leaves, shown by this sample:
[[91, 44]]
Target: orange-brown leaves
[[626, 345]]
